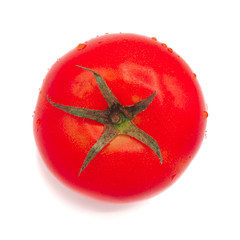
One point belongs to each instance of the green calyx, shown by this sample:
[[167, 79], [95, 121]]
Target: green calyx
[[116, 118]]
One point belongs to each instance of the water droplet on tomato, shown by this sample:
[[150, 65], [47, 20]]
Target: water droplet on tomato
[[153, 38], [194, 75], [164, 45], [81, 46], [38, 122], [173, 176], [205, 114], [205, 135], [170, 50]]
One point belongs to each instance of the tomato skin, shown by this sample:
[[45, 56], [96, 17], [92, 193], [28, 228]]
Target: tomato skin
[[134, 67]]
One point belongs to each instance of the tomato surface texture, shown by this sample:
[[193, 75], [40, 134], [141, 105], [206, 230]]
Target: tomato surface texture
[[126, 168]]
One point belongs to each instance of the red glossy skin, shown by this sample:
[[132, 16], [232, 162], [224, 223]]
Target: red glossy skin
[[134, 67]]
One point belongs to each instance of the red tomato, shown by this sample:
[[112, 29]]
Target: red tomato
[[139, 155]]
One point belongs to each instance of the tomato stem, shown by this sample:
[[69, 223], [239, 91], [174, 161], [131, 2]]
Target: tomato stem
[[116, 118]]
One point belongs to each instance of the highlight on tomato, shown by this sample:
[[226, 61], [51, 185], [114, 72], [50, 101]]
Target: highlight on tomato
[[119, 118]]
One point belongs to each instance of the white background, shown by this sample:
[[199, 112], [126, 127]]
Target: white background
[[203, 204]]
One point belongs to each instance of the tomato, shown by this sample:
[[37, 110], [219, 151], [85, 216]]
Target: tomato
[[119, 118]]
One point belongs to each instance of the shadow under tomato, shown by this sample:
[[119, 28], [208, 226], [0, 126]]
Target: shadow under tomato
[[69, 197]]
